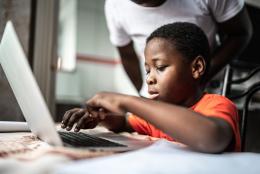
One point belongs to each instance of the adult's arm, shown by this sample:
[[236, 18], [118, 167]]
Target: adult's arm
[[235, 35], [131, 64]]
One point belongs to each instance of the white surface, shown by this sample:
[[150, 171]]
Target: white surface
[[25, 87], [13, 126], [42, 165], [166, 157]]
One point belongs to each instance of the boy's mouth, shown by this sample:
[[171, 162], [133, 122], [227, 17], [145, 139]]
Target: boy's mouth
[[153, 95]]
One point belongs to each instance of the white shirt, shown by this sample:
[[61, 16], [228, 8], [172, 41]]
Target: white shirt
[[128, 21]]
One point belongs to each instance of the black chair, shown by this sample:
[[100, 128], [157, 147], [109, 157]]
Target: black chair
[[248, 62], [247, 95]]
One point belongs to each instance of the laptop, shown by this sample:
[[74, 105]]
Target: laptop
[[35, 110]]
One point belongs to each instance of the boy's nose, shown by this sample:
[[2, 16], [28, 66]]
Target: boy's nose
[[150, 79]]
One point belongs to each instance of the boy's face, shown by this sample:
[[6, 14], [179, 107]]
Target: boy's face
[[169, 76]]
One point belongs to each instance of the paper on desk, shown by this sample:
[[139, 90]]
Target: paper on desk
[[166, 157], [13, 126]]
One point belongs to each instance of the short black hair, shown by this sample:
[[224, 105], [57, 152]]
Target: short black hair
[[187, 38]]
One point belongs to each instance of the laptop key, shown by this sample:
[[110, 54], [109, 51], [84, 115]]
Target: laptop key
[[80, 139]]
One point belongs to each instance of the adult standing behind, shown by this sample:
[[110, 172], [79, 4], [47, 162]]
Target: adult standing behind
[[131, 21]]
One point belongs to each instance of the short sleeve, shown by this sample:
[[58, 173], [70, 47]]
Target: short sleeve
[[224, 10], [143, 127], [118, 36], [223, 108], [138, 124]]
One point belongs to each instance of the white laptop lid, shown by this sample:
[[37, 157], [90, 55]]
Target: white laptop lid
[[25, 87]]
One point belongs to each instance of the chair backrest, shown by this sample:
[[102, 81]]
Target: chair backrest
[[244, 117]]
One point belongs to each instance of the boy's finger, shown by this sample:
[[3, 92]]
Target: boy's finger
[[102, 114], [81, 122], [93, 115], [66, 117], [74, 117]]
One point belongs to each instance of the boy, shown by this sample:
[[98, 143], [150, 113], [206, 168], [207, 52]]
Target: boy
[[176, 59]]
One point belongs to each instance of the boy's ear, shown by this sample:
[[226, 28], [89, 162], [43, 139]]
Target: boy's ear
[[198, 67]]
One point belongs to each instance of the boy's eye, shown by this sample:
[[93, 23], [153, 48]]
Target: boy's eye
[[161, 68]]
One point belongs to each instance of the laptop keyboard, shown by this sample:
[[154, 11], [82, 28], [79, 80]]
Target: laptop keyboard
[[79, 139]]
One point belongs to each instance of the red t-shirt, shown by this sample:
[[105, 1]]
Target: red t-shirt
[[211, 105]]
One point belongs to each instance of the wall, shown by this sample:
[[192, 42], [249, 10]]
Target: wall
[[98, 67]]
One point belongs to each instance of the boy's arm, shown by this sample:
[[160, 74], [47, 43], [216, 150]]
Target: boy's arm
[[205, 134]]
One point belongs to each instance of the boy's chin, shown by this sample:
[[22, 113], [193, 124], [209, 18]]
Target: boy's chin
[[153, 96]]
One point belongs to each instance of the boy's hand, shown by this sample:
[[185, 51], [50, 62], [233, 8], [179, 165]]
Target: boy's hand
[[83, 118], [111, 102]]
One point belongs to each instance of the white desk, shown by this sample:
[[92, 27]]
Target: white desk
[[162, 157], [165, 157]]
